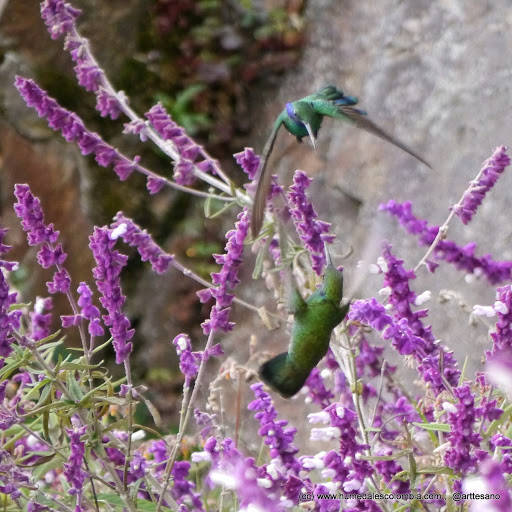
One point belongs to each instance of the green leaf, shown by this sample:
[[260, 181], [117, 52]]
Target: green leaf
[[435, 470], [102, 346], [79, 366], [437, 427], [73, 387], [49, 338], [141, 505]]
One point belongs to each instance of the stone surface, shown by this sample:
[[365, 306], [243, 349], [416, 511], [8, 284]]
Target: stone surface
[[437, 76]]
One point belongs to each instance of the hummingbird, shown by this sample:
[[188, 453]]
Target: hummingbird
[[303, 118], [314, 321]]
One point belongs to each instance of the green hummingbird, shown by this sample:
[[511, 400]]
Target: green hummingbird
[[303, 118], [314, 321]]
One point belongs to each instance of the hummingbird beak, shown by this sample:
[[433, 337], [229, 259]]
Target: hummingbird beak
[[310, 133]]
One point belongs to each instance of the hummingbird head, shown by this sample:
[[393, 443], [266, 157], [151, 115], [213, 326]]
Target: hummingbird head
[[302, 112]]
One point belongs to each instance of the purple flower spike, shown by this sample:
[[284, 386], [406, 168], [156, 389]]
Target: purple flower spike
[[189, 361], [489, 480], [59, 17], [89, 310], [502, 336], [73, 129], [428, 352], [249, 161], [277, 437], [312, 231], [183, 488], [41, 322], [491, 171], [28, 209], [462, 257], [109, 264], [135, 236], [463, 439], [9, 320], [225, 280], [188, 151], [73, 468]]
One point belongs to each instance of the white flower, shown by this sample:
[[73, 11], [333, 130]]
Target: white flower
[[39, 305], [312, 463], [266, 483], [423, 297], [351, 485], [325, 434], [340, 411], [479, 310], [201, 457], [331, 486], [138, 435], [326, 373], [223, 478], [385, 292], [449, 407], [500, 307], [383, 264], [328, 473], [118, 231], [319, 417]]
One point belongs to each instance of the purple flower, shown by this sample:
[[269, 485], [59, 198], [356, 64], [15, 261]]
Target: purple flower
[[249, 161], [59, 17], [462, 257], [491, 170], [205, 421], [107, 105], [279, 438], [73, 468], [158, 449], [73, 129], [89, 310], [317, 390], [41, 322], [502, 336], [463, 438], [134, 236], [252, 484], [188, 151], [343, 466], [189, 361], [225, 280], [109, 264], [499, 369], [388, 469], [13, 479], [428, 352], [154, 185], [312, 231], [28, 209], [183, 489], [490, 480], [9, 320]]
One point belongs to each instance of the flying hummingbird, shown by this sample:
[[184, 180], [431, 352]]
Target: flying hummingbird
[[314, 321], [303, 118]]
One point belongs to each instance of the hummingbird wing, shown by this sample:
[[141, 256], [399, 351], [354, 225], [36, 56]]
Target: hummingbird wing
[[260, 199], [360, 120]]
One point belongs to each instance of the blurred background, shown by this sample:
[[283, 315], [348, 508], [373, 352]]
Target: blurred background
[[435, 73]]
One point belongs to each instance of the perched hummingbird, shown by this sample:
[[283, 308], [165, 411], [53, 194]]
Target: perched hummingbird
[[303, 118], [314, 321]]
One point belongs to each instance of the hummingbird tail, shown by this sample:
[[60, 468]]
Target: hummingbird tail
[[282, 375]]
